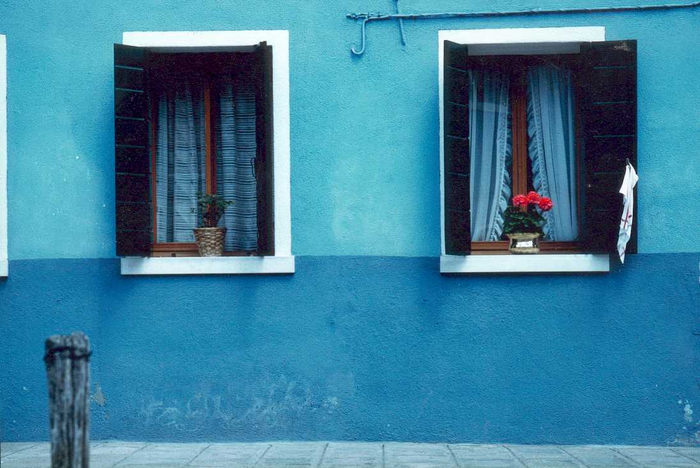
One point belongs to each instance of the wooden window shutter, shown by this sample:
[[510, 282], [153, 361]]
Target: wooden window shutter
[[264, 163], [456, 149], [131, 152], [608, 103]]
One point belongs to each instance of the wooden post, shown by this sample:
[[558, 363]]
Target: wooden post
[[68, 369]]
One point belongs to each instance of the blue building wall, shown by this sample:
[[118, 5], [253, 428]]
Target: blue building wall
[[367, 340]]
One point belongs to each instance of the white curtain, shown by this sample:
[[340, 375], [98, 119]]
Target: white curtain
[[181, 159], [490, 152], [235, 161], [551, 147]]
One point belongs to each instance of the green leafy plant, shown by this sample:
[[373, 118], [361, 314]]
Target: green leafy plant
[[211, 208], [523, 215]]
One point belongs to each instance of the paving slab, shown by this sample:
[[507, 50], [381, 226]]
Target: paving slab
[[599, 457], [406, 455], [162, 455], [353, 454], [293, 454], [486, 456], [242, 455], [8, 448], [690, 452], [657, 456], [36, 456]]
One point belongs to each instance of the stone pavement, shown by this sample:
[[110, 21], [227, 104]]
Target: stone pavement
[[108, 454]]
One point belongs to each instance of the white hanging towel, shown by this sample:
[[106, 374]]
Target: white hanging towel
[[627, 190]]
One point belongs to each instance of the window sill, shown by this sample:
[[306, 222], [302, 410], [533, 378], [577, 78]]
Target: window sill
[[207, 265], [540, 263]]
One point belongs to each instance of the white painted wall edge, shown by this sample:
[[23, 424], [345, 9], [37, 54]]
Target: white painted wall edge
[[4, 268], [3, 158], [207, 265], [541, 263], [279, 40], [524, 35]]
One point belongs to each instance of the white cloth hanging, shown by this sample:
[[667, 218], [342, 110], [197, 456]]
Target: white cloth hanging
[[627, 190]]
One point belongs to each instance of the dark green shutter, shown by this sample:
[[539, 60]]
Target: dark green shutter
[[264, 166], [608, 100], [456, 150], [131, 152]]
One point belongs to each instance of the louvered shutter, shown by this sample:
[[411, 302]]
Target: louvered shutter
[[264, 166], [456, 149], [131, 152], [608, 102]]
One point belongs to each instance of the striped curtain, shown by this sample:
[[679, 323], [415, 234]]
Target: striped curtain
[[181, 159], [235, 162]]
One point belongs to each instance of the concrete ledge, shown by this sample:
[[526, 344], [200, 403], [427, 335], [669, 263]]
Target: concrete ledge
[[207, 265], [541, 263]]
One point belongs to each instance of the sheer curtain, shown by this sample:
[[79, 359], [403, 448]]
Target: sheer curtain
[[181, 158], [551, 147], [490, 152]]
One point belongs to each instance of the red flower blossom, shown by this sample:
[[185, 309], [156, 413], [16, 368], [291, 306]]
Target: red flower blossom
[[520, 200], [545, 204], [533, 198]]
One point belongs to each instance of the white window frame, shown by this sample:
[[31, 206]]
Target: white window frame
[[4, 262], [283, 260], [517, 40]]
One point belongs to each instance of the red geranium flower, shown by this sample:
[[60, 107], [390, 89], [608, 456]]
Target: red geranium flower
[[520, 200], [533, 198], [545, 204]]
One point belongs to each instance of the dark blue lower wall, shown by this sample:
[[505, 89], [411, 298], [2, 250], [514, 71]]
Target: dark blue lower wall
[[364, 348]]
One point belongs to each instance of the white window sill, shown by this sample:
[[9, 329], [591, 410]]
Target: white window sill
[[207, 265], [4, 268], [538, 263]]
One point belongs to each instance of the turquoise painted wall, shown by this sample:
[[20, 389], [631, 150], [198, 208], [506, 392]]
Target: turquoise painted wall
[[364, 130]]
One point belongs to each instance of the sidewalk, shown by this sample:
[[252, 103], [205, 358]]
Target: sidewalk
[[108, 454]]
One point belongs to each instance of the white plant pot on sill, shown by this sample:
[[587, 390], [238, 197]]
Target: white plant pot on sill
[[524, 242]]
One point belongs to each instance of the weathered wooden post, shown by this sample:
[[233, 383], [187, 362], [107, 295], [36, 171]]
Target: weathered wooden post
[[68, 369]]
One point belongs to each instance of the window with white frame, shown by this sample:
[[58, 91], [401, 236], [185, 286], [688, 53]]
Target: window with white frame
[[548, 110], [4, 264], [202, 113]]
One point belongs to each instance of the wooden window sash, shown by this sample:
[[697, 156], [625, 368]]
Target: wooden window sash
[[189, 249]]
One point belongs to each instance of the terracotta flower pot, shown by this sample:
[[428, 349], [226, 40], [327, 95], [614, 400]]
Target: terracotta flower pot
[[210, 241], [524, 242]]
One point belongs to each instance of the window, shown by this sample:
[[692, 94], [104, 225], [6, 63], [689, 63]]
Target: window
[[199, 113], [556, 117], [4, 264]]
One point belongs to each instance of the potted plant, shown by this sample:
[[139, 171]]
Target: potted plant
[[210, 237], [523, 222]]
